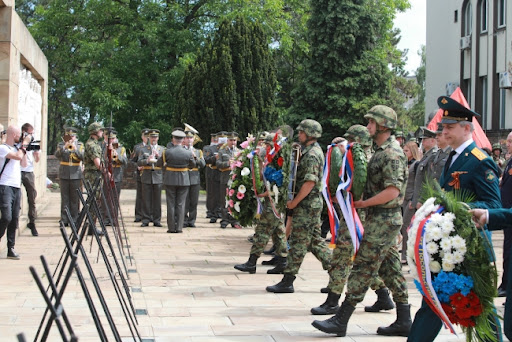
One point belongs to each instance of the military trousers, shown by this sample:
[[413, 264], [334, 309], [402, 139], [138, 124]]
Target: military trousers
[[191, 204], [138, 199], [305, 237], [268, 225], [28, 181], [152, 205], [175, 198], [377, 256], [91, 177], [69, 198], [210, 198]]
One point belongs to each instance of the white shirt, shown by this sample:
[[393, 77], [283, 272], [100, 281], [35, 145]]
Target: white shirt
[[30, 162], [12, 172], [459, 150]]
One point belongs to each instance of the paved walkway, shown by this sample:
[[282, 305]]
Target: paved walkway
[[185, 283]]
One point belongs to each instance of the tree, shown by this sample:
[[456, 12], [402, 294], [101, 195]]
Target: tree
[[348, 71], [232, 83]]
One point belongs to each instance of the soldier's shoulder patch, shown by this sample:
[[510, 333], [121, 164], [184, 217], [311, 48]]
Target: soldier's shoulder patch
[[479, 154], [490, 176]]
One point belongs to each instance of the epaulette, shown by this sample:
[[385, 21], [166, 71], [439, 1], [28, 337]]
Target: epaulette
[[479, 154]]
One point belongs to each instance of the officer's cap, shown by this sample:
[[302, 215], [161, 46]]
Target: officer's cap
[[154, 132], [232, 135], [145, 131], [71, 131], [213, 135], [178, 134], [427, 133], [189, 134], [454, 112], [222, 134], [439, 128]]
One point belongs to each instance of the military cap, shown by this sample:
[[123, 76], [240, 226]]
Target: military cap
[[145, 131], [154, 132], [383, 115], [95, 127], [107, 130], [399, 134], [232, 135], [439, 128], [213, 135], [178, 134], [414, 140], [189, 134], [496, 146], [262, 135], [427, 133], [311, 128], [454, 112], [222, 134], [71, 131], [112, 134]]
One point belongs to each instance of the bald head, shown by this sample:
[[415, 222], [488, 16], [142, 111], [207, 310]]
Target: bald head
[[13, 134], [509, 143]]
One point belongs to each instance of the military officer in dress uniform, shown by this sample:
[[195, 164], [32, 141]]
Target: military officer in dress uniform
[[224, 159], [70, 152], [151, 178], [177, 161], [134, 158], [429, 144], [210, 160], [218, 189], [436, 164], [195, 181], [119, 162], [470, 170]]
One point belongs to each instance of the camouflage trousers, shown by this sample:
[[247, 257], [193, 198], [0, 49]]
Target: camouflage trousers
[[90, 179], [378, 257], [269, 226], [342, 258], [305, 237]]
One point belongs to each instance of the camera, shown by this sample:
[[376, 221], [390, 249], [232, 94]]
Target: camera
[[35, 145]]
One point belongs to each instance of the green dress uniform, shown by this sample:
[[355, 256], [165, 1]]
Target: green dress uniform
[[436, 164], [118, 164], [422, 174], [195, 186], [151, 179], [139, 194], [70, 178], [223, 166]]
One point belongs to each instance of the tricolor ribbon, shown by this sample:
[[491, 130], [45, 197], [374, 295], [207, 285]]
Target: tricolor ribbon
[[346, 201], [331, 212], [422, 261], [259, 209]]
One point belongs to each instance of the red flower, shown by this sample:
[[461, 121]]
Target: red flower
[[280, 161], [467, 322], [458, 300]]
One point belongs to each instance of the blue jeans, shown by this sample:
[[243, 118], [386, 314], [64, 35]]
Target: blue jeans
[[10, 199]]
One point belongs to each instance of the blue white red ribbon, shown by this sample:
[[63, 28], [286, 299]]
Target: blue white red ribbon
[[334, 221]]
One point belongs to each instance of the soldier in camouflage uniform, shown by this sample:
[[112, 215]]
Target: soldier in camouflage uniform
[[70, 153], [496, 156], [307, 207], [268, 225], [341, 260], [383, 196], [93, 163], [399, 136]]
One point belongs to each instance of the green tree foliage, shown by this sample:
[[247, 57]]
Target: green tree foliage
[[232, 83], [351, 50]]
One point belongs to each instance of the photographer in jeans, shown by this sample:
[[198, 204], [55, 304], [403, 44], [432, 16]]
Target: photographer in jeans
[[27, 177], [12, 156]]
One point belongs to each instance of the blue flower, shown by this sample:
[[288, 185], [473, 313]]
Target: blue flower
[[273, 176]]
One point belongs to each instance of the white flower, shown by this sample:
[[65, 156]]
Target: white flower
[[446, 244], [432, 248], [450, 216], [436, 218], [275, 190], [435, 266], [227, 203], [447, 267], [458, 242], [242, 189], [436, 234], [458, 257], [449, 258], [462, 249], [447, 226], [430, 225], [237, 206], [229, 183], [245, 171]]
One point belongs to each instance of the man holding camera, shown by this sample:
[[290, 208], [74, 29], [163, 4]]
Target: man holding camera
[[27, 176], [13, 156]]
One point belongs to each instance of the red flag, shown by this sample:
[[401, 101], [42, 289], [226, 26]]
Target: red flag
[[478, 134]]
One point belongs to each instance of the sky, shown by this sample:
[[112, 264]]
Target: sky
[[412, 24]]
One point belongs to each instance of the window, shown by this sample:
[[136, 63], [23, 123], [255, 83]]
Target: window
[[455, 16], [483, 16], [502, 13], [468, 20], [503, 101], [484, 102]]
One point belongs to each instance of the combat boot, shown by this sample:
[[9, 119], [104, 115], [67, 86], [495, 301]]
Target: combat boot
[[337, 324], [329, 306], [280, 266], [270, 251], [271, 262], [249, 266], [284, 286], [402, 325], [383, 302]]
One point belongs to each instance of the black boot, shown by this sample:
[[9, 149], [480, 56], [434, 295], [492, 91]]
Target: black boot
[[383, 302], [324, 290], [284, 286], [271, 262], [33, 229], [330, 305], [280, 266], [337, 324], [402, 325], [249, 266], [270, 251]]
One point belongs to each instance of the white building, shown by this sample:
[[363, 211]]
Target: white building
[[469, 44]]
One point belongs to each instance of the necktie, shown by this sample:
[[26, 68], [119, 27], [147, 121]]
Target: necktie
[[448, 162]]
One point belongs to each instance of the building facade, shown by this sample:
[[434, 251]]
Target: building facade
[[469, 44]]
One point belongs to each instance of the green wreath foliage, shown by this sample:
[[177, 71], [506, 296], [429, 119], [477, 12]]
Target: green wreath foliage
[[360, 171]]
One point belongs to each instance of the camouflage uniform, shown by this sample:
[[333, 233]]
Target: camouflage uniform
[[266, 227], [92, 151]]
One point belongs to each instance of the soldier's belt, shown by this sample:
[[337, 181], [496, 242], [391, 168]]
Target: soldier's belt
[[226, 169], [177, 169], [150, 168], [194, 169], [213, 167], [116, 165], [69, 164]]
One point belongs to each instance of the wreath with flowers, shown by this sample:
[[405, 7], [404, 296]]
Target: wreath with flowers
[[450, 263], [240, 197]]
